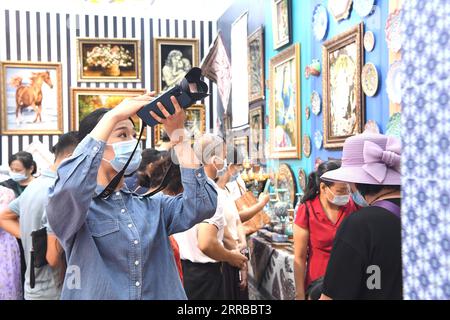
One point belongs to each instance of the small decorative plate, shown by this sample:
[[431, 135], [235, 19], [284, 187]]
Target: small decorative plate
[[315, 102], [306, 145], [369, 79], [340, 9], [302, 179], [369, 41], [363, 7], [320, 22], [307, 113], [318, 139], [394, 83], [393, 31], [394, 125]]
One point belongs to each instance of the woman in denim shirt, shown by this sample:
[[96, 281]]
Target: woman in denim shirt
[[118, 247]]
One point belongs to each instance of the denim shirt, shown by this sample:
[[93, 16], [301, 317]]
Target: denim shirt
[[118, 247]]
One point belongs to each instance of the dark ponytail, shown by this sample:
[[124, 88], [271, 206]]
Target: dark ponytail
[[26, 159], [313, 186]]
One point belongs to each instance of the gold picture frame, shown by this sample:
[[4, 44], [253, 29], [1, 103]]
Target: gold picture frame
[[256, 65], [184, 51], [86, 100], [285, 120], [281, 22], [31, 98], [256, 135], [108, 60], [195, 123], [343, 58]]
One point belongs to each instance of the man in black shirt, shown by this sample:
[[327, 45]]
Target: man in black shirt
[[365, 261]]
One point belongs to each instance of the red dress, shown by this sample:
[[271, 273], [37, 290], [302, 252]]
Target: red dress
[[321, 235]]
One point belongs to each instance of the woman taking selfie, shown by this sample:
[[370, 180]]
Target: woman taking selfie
[[118, 247]]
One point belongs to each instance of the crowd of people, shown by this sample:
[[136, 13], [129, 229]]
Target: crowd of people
[[171, 229]]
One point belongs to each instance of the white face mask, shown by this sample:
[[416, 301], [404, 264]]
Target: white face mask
[[221, 172], [339, 201], [18, 176]]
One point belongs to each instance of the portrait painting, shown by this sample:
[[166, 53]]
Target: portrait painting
[[281, 22], [256, 123], [86, 100], [342, 93], [31, 98], [256, 66], [285, 117], [173, 59], [108, 60]]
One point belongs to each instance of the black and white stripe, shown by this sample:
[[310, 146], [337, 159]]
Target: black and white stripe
[[51, 37]]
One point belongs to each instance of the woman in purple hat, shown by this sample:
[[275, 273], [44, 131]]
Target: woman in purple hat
[[365, 261]]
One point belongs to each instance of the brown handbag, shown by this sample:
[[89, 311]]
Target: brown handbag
[[246, 200]]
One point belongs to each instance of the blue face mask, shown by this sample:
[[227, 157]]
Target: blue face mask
[[234, 177], [18, 176], [123, 151], [359, 199]]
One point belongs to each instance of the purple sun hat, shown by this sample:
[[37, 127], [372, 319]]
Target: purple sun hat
[[369, 158]]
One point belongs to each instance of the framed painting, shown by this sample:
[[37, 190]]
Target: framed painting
[[31, 98], [281, 23], [256, 123], [108, 60], [256, 65], [173, 59], [86, 100], [343, 100], [284, 109], [195, 123], [241, 146]]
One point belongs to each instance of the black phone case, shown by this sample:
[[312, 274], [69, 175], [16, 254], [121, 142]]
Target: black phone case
[[183, 99]]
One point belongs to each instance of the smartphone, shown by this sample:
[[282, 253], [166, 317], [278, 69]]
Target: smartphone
[[183, 98]]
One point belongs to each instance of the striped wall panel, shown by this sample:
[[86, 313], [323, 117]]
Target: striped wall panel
[[51, 37]]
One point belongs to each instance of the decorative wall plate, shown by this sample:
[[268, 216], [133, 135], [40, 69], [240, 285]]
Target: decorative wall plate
[[393, 31], [318, 139], [369, 79], [307, 113], [315, 103], [320, 22], [306, 145], [317, 163], [286, 180], [302, 179], [394, 83], [369, 41], [363, 7], [340, 9]]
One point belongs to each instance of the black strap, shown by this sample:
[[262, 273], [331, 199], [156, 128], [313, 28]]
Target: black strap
[[112, 185], [32, 275], [164, 183]]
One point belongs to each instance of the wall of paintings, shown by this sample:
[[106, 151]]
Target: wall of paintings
[[328, 47], [61, 54]]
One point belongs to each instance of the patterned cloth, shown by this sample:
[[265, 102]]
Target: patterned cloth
[[271, 271], [10, 282], [426, 150]]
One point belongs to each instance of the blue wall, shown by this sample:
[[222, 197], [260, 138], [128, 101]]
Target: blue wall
[[377, 107]]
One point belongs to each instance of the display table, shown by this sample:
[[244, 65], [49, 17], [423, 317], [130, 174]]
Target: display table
[[271, 271]]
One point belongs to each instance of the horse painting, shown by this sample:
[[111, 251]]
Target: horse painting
[[30, 95]]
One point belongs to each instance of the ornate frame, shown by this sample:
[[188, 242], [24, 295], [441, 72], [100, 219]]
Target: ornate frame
[[258, 35], [74, 92], [137, 59], [259, 110], [201, 107], [158, 42], [277, 43], [353, 35], [293, 52], [3, 82]]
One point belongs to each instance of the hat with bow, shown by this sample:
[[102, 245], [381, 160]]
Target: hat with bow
[[369, 158]]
